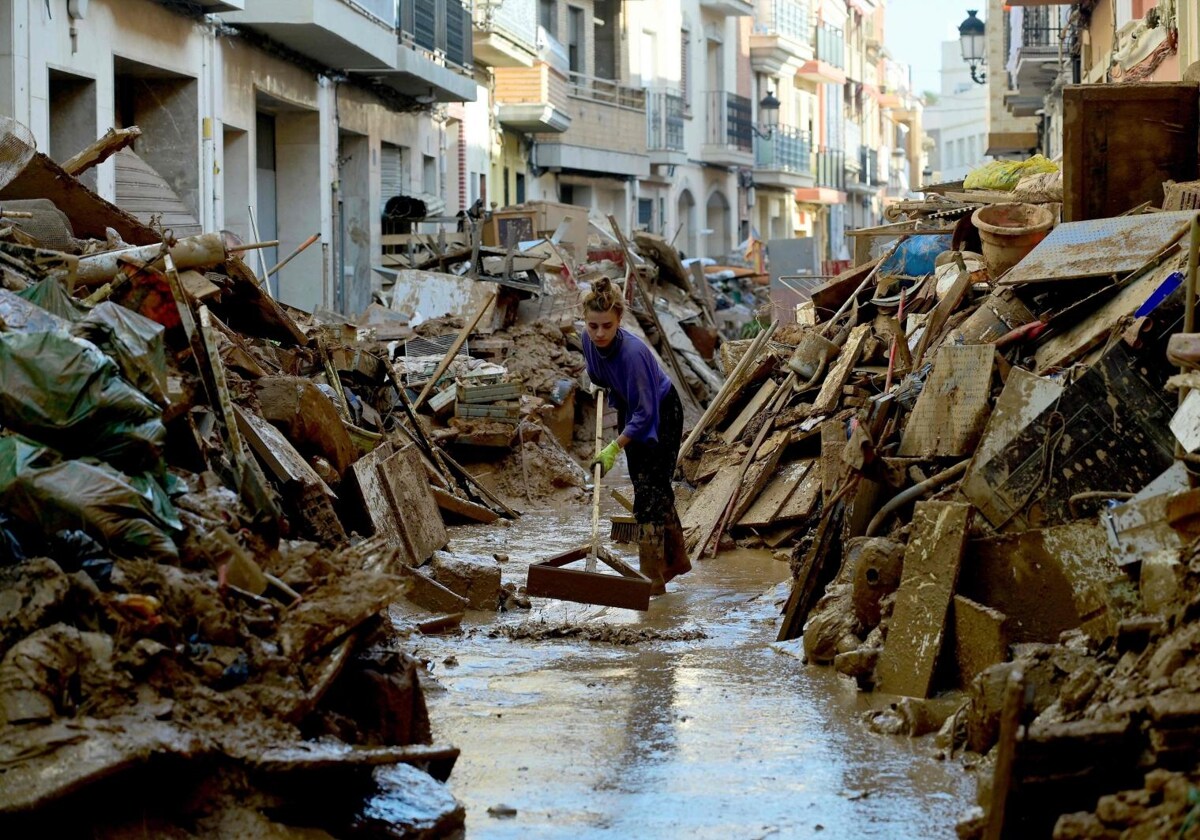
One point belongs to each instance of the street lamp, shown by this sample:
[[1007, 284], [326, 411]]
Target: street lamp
[[970, 36], [768, 112]]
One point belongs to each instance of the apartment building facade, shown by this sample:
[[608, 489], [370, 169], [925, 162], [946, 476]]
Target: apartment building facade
[[269, 118], [278, 119]]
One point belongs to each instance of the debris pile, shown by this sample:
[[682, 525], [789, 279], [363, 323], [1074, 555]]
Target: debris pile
[[978, 459], [220, 511]]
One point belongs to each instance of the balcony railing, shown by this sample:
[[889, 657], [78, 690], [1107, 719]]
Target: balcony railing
[[516, 19], [728, 121], [664, 120], [437, 26], [831, 45], [868, 167], [384, 10], [1040, 27], [788, 149], [783, 17], [607, 91], [831, 168]]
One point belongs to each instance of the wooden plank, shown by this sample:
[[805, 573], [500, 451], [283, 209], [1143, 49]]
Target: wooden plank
[[804, 500], [461, 507], [708, 504], [403, 479], [750, 411], [376, 502], [833, 468], [1006, 751], [830, 394], [918, 628], [1121, 142], [1108, 431], [776, 495], [277, 452], [101, 149], [758, 475], [950, 414], [816, 569]]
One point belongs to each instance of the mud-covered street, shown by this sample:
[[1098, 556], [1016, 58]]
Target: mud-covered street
[[722, 735]]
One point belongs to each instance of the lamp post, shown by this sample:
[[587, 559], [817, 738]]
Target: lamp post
[[971, 37], [768, 112]]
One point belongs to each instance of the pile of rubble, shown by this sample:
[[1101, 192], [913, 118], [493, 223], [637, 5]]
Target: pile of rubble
[[977, 464], [222, 515]]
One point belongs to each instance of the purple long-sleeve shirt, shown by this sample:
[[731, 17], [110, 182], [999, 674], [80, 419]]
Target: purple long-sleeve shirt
[[637, 382]]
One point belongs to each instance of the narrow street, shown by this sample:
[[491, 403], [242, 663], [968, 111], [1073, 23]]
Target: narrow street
[[723, 736]]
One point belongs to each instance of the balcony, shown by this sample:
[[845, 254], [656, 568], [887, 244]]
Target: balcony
[[782, 36], [607, 132], [532, 99], [728, 8], [784, 160], [505, 33], [664, 127], [1037, 61], [433, 57], [828, 64], [728, 129], [335, 33]]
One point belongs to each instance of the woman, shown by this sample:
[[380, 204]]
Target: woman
[[650, 416]]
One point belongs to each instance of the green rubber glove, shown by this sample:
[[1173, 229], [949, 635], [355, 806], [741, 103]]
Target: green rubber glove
[[606, 458]]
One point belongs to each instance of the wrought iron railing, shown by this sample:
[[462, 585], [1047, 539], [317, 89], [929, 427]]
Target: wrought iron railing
[[831, 168], [788, 149], [728, 120], [664, 120]]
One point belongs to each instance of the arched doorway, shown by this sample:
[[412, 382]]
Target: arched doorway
[[718, 243], [685, 222]]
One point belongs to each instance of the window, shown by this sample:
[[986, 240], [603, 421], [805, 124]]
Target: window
[[646, 214], [393, 170], [575, 42], [566, 193], [520, 188], [548, 16]]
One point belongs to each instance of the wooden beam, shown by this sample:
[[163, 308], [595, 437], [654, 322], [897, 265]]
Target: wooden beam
[[101, 149]]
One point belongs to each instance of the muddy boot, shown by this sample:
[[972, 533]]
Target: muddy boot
[[651, 545], [676, 555]]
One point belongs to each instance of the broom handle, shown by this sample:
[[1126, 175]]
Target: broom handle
[[596, 475]]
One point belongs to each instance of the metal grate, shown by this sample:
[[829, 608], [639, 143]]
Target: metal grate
[[16, 149]]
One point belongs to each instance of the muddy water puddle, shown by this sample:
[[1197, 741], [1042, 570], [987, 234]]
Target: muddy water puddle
[[724, 736]]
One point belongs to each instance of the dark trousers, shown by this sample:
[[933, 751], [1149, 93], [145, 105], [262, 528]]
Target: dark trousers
[[652, 465]]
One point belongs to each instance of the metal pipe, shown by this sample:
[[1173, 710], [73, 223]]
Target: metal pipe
[[915, 492], [301, 247]]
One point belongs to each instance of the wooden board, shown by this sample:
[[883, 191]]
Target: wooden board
[[1121, 142], [918, 627], [817, 568], [776, 494], [403, 478], [276, 452], [950, 414], [759, 474], [804, 500], [376, 501], [756, 404], [833, 468], [1108, 431], [628, 588], [707, 505], [461, 507], [830, 394]]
